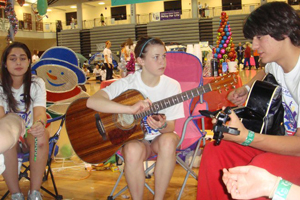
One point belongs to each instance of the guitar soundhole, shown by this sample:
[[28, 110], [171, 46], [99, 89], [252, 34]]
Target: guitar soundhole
[[124, 121]]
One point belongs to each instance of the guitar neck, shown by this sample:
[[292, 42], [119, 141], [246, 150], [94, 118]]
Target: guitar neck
[[173, 100]]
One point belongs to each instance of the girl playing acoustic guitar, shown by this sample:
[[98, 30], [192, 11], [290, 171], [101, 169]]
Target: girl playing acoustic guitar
[[160, 138]]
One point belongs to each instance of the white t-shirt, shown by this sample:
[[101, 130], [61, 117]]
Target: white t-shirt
[[289, 83], [103, 75], [97, 72], [86, 73], [107, 52], [2, 166], [167, 87], [35, 58], [38, 96]]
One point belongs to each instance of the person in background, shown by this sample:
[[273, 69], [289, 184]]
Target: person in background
[[129, 51], [98, 72], [240, 54], [108, 60], [35, 57], [160, 138], [122, 65], [24, 94], [102, 19], [274, 29], [256, 58], [72, 23], [103, 73], [247, 56], [249, 182], [86, 72]]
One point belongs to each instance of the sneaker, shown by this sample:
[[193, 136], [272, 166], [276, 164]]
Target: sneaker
[[17, 196], [35, 195]]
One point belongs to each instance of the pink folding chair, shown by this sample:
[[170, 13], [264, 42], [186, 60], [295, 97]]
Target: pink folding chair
[[187, 70]]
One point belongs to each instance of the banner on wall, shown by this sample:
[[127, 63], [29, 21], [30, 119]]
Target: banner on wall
[[174, 14], [124, 2]]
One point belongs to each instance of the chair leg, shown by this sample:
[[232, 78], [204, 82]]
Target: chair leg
[[189, 169], [5, 195], [56, 195], [112, 196]]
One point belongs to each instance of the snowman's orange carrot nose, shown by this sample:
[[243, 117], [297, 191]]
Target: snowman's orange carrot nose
[[51, 76]]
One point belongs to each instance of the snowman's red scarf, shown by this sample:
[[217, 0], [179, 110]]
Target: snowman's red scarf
[[54, 96]]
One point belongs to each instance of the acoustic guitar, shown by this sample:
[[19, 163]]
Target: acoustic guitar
[[96, 136], [263, 112]]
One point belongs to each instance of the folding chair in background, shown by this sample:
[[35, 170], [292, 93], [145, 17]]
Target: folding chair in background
[[187, 70]]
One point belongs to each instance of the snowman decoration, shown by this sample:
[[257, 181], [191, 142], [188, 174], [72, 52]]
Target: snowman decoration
[[59, 68]]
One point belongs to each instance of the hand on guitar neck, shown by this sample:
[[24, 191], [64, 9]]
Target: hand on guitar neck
[[238, 96]]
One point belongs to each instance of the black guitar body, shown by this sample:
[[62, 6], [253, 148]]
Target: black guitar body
[[263, 112]]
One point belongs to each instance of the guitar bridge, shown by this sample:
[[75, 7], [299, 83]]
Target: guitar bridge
[[100, 127]]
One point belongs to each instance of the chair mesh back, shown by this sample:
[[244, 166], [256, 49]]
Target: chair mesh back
[[187, 70]]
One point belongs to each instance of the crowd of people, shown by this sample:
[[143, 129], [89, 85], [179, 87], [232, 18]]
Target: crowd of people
[[244, 55], [245, 166]]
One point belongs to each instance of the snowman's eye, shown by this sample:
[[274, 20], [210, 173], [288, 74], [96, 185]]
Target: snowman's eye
[[62, 73], [50, 71]]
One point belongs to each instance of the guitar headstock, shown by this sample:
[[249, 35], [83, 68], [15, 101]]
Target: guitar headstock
[[226, 81]]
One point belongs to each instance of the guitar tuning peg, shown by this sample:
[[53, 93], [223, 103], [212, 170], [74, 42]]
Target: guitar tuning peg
[[220, 91], [233, 86], [226, 89]]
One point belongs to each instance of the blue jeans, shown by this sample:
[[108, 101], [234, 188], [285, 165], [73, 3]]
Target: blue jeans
[[247, 60]]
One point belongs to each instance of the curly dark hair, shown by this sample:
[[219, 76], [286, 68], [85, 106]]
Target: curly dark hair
[[6, 79], [277, 19]]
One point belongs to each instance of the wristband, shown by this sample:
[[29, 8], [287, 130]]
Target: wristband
[[282, 190], [249, 139], [163, 126], [43, 123], [247, 87], [274, 188]]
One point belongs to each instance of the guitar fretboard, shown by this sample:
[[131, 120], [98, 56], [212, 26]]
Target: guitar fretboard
[[173, 100]]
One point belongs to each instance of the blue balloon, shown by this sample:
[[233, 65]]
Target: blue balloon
[[225, 37], [222, 41], [226, 29], [215, 55], [220, 45], [227, 33], [217, 50], [226, 26]]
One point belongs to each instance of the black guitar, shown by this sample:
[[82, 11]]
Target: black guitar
[[263, 112]]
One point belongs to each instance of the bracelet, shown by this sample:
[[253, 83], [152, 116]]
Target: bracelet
[[247, 87], [41, 121], [249, 139], [163, 126], [282, 190]]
